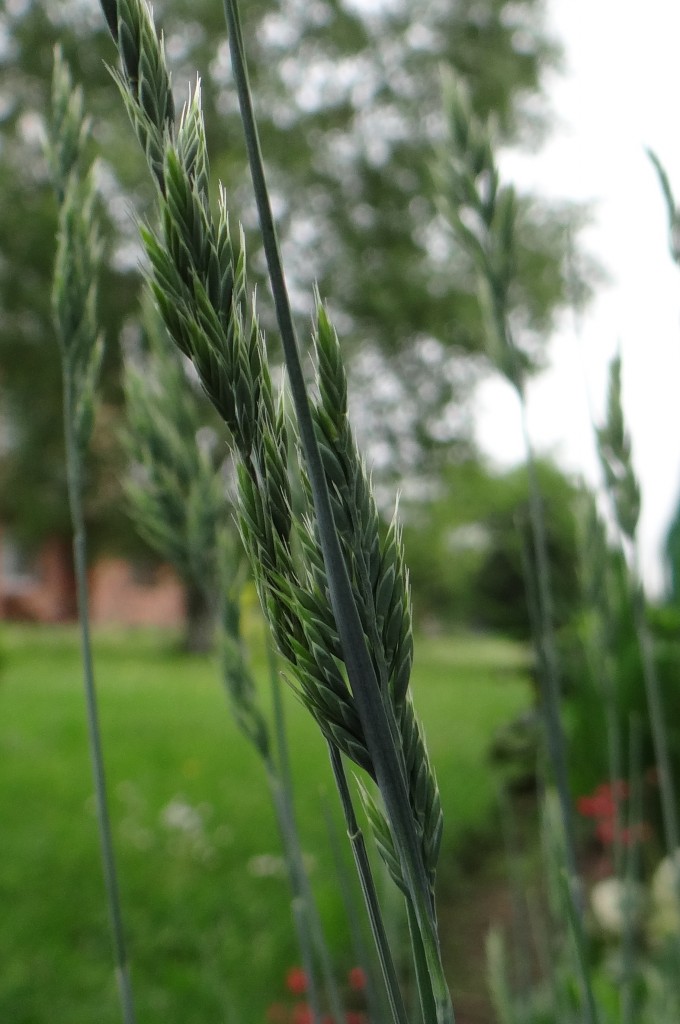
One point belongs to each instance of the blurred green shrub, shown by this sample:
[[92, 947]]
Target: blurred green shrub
[[468, 549]]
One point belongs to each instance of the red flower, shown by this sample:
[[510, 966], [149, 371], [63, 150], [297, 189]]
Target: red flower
[[355, 1017], [603, 801], [639, 832], [302, 1014], [357, 979], [602, 805], [296, 981]]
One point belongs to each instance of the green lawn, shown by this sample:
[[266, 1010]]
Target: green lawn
[[205, 900]]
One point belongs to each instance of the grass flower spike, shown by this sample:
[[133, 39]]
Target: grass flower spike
[[340, 614]]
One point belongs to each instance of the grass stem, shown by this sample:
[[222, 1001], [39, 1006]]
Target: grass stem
[[282, 790], [656, 716], [374, 713], [547, 648], [74, 474], [369, 891], [550, 680]]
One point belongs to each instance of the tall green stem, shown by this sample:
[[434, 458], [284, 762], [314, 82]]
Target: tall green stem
[[74, 474], [369, 891], [295, 873], [547, 648], [375, 715], [656, 716], [550, 681], [377, 1007], [282, 789]]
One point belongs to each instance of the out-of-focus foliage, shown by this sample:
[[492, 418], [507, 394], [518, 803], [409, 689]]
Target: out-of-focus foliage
[[349, 105], [32, 469], [600, 652], [673, 558], [467, 550]]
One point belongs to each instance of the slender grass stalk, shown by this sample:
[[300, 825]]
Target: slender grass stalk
[[362, 862], [484, 217], [565, 983], [630, 876], [596, 572], [281, 783], [521, 933], [177, 493], [94, 732], [547, 651], [672, 209], [596, 582], [380, 732], [241, 689], [497, 978], [377, 1006], [591, 1011], [74, 309], [614, 449], [298, 903], [199, 282], [657, 718]]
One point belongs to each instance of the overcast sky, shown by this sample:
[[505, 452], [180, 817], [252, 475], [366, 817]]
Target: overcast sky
[[620, 92]]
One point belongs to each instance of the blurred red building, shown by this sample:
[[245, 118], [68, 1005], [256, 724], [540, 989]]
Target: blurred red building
[[41, 588]]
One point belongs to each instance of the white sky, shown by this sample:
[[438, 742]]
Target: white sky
[[620, 92]]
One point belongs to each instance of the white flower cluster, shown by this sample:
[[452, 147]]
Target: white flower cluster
[[618, 905]]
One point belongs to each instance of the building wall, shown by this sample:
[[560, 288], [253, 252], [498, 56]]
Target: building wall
[[121, 596], [42, 589]]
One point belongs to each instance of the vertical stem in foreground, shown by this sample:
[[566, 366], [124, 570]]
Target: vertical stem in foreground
[[74, 474], [310, 937], [379, 725], [369, 891]]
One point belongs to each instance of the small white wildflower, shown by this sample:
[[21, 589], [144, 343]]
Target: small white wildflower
[[665, 898], [616, 905], [266, 865], [182, 817], [186, 823]]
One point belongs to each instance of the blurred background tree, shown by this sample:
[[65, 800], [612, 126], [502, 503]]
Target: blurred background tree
[[468, 547], [349, 105]]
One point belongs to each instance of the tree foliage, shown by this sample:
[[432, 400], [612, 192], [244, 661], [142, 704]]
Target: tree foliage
[[349, 107], [470, 548]]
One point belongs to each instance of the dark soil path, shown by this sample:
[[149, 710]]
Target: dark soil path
[[477, 896]]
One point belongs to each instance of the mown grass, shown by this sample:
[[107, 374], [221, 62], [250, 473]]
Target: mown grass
[[205, 897]]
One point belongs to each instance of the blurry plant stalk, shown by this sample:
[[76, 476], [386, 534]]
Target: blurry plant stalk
[[483, 215], [615, 451], [74, 302]]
